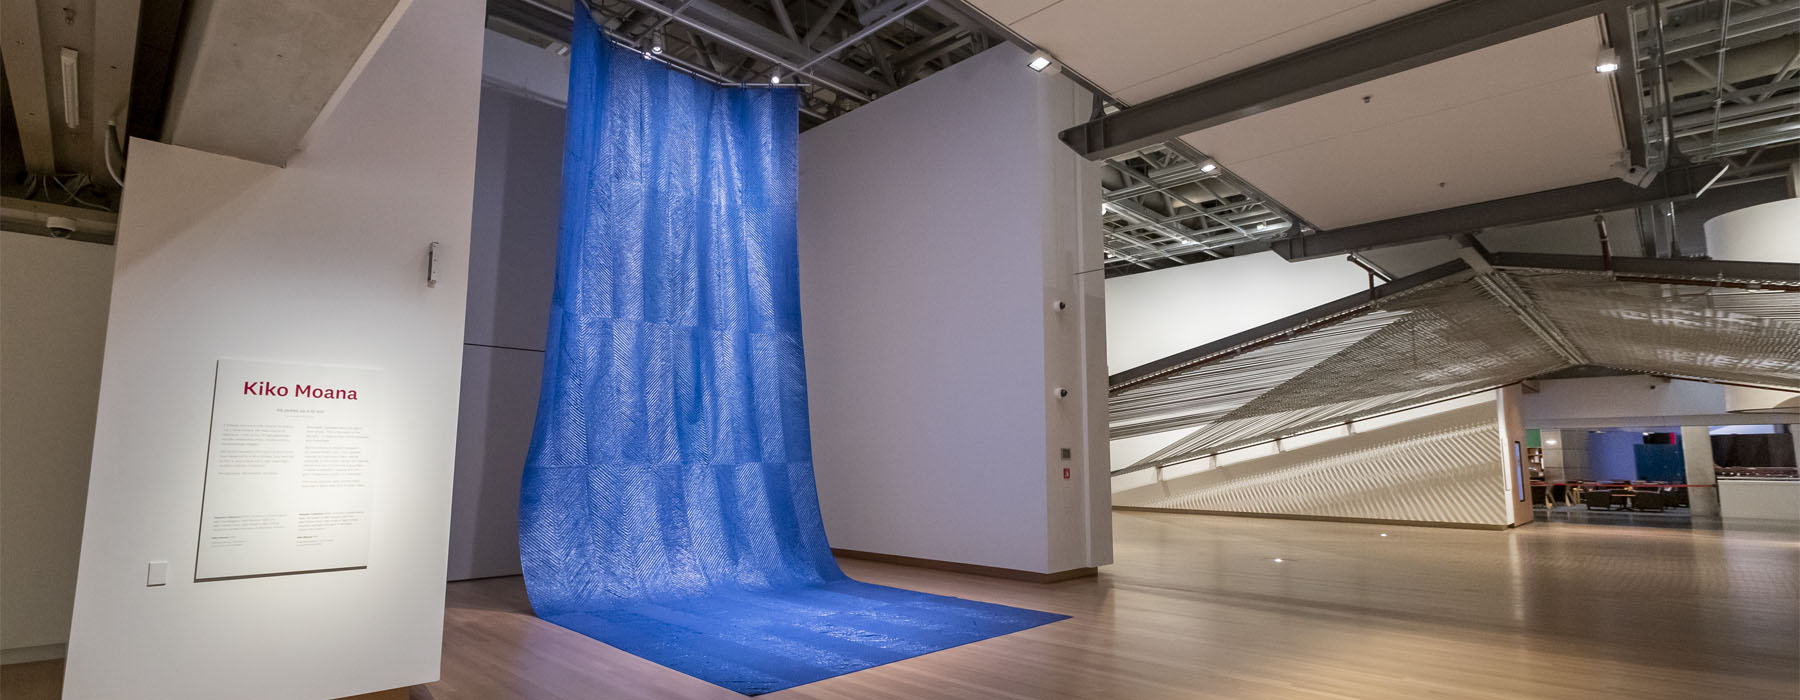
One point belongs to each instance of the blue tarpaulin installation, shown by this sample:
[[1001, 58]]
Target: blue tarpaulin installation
[[668, 506]]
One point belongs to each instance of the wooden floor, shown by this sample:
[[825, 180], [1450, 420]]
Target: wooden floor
[[1196, 607]]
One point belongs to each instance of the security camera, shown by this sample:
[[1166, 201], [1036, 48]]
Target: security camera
[[1060, 305], [1062, 393], [60, 226]]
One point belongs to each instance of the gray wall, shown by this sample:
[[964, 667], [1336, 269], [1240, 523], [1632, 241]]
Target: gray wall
[[56, 295], [512, 266]]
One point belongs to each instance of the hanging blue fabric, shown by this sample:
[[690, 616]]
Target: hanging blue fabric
[[668, 506]]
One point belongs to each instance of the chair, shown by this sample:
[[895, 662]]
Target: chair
[[1598, 499], [1647, 500]]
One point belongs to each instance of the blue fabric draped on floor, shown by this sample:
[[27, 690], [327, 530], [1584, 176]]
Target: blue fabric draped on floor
[[668, 506]]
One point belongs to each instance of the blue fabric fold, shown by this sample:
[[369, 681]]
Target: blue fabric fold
[[668, 506]]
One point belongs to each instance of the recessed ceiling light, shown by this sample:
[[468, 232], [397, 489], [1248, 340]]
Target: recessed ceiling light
[[1384, 534], [1042, 62], [1278, 560], [1208, 166], [1549, 442]]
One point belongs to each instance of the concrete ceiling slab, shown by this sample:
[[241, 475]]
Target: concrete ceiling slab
[[251, 78], [1524, 116]]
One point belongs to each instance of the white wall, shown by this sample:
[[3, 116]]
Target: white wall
[[1442, 463], [321, 262], [1152, 315], [1570, 403], [1513, 469], [1761, 499], [936, 231], [53, 300]]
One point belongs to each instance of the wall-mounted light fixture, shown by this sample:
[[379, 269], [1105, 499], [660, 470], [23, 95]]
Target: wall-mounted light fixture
[[1607, 62]]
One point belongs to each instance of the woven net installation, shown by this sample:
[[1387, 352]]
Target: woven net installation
[[668, 506], [1462, 333]]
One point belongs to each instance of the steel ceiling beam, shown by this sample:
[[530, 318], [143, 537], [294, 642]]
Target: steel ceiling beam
[[1549, 205], [1424, 37], [1626, 88], [767, 45]]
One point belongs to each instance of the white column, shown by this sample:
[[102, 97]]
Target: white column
[[1697, 458]]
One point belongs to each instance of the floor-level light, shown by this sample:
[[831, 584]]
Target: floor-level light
[[1607, 62]]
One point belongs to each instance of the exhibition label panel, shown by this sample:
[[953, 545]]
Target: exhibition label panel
[[289, 468]]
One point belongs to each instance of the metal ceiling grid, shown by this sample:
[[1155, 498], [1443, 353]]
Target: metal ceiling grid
[[1167, 205], [841, 53], [1713, 94]]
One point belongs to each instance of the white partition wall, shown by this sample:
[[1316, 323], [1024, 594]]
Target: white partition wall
[[321, 262], [939, 226], [1448, 463]]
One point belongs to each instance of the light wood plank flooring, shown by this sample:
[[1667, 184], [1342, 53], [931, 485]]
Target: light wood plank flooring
[[1196, 607]]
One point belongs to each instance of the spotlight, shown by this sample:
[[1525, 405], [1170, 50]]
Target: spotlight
[[1208, 166], [1607, 62], [1042, 62], [774, 78], [656, 42]]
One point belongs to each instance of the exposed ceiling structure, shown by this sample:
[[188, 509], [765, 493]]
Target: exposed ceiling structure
[[843, 53], [1487, 320], [82, 77], [1351, 112]]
